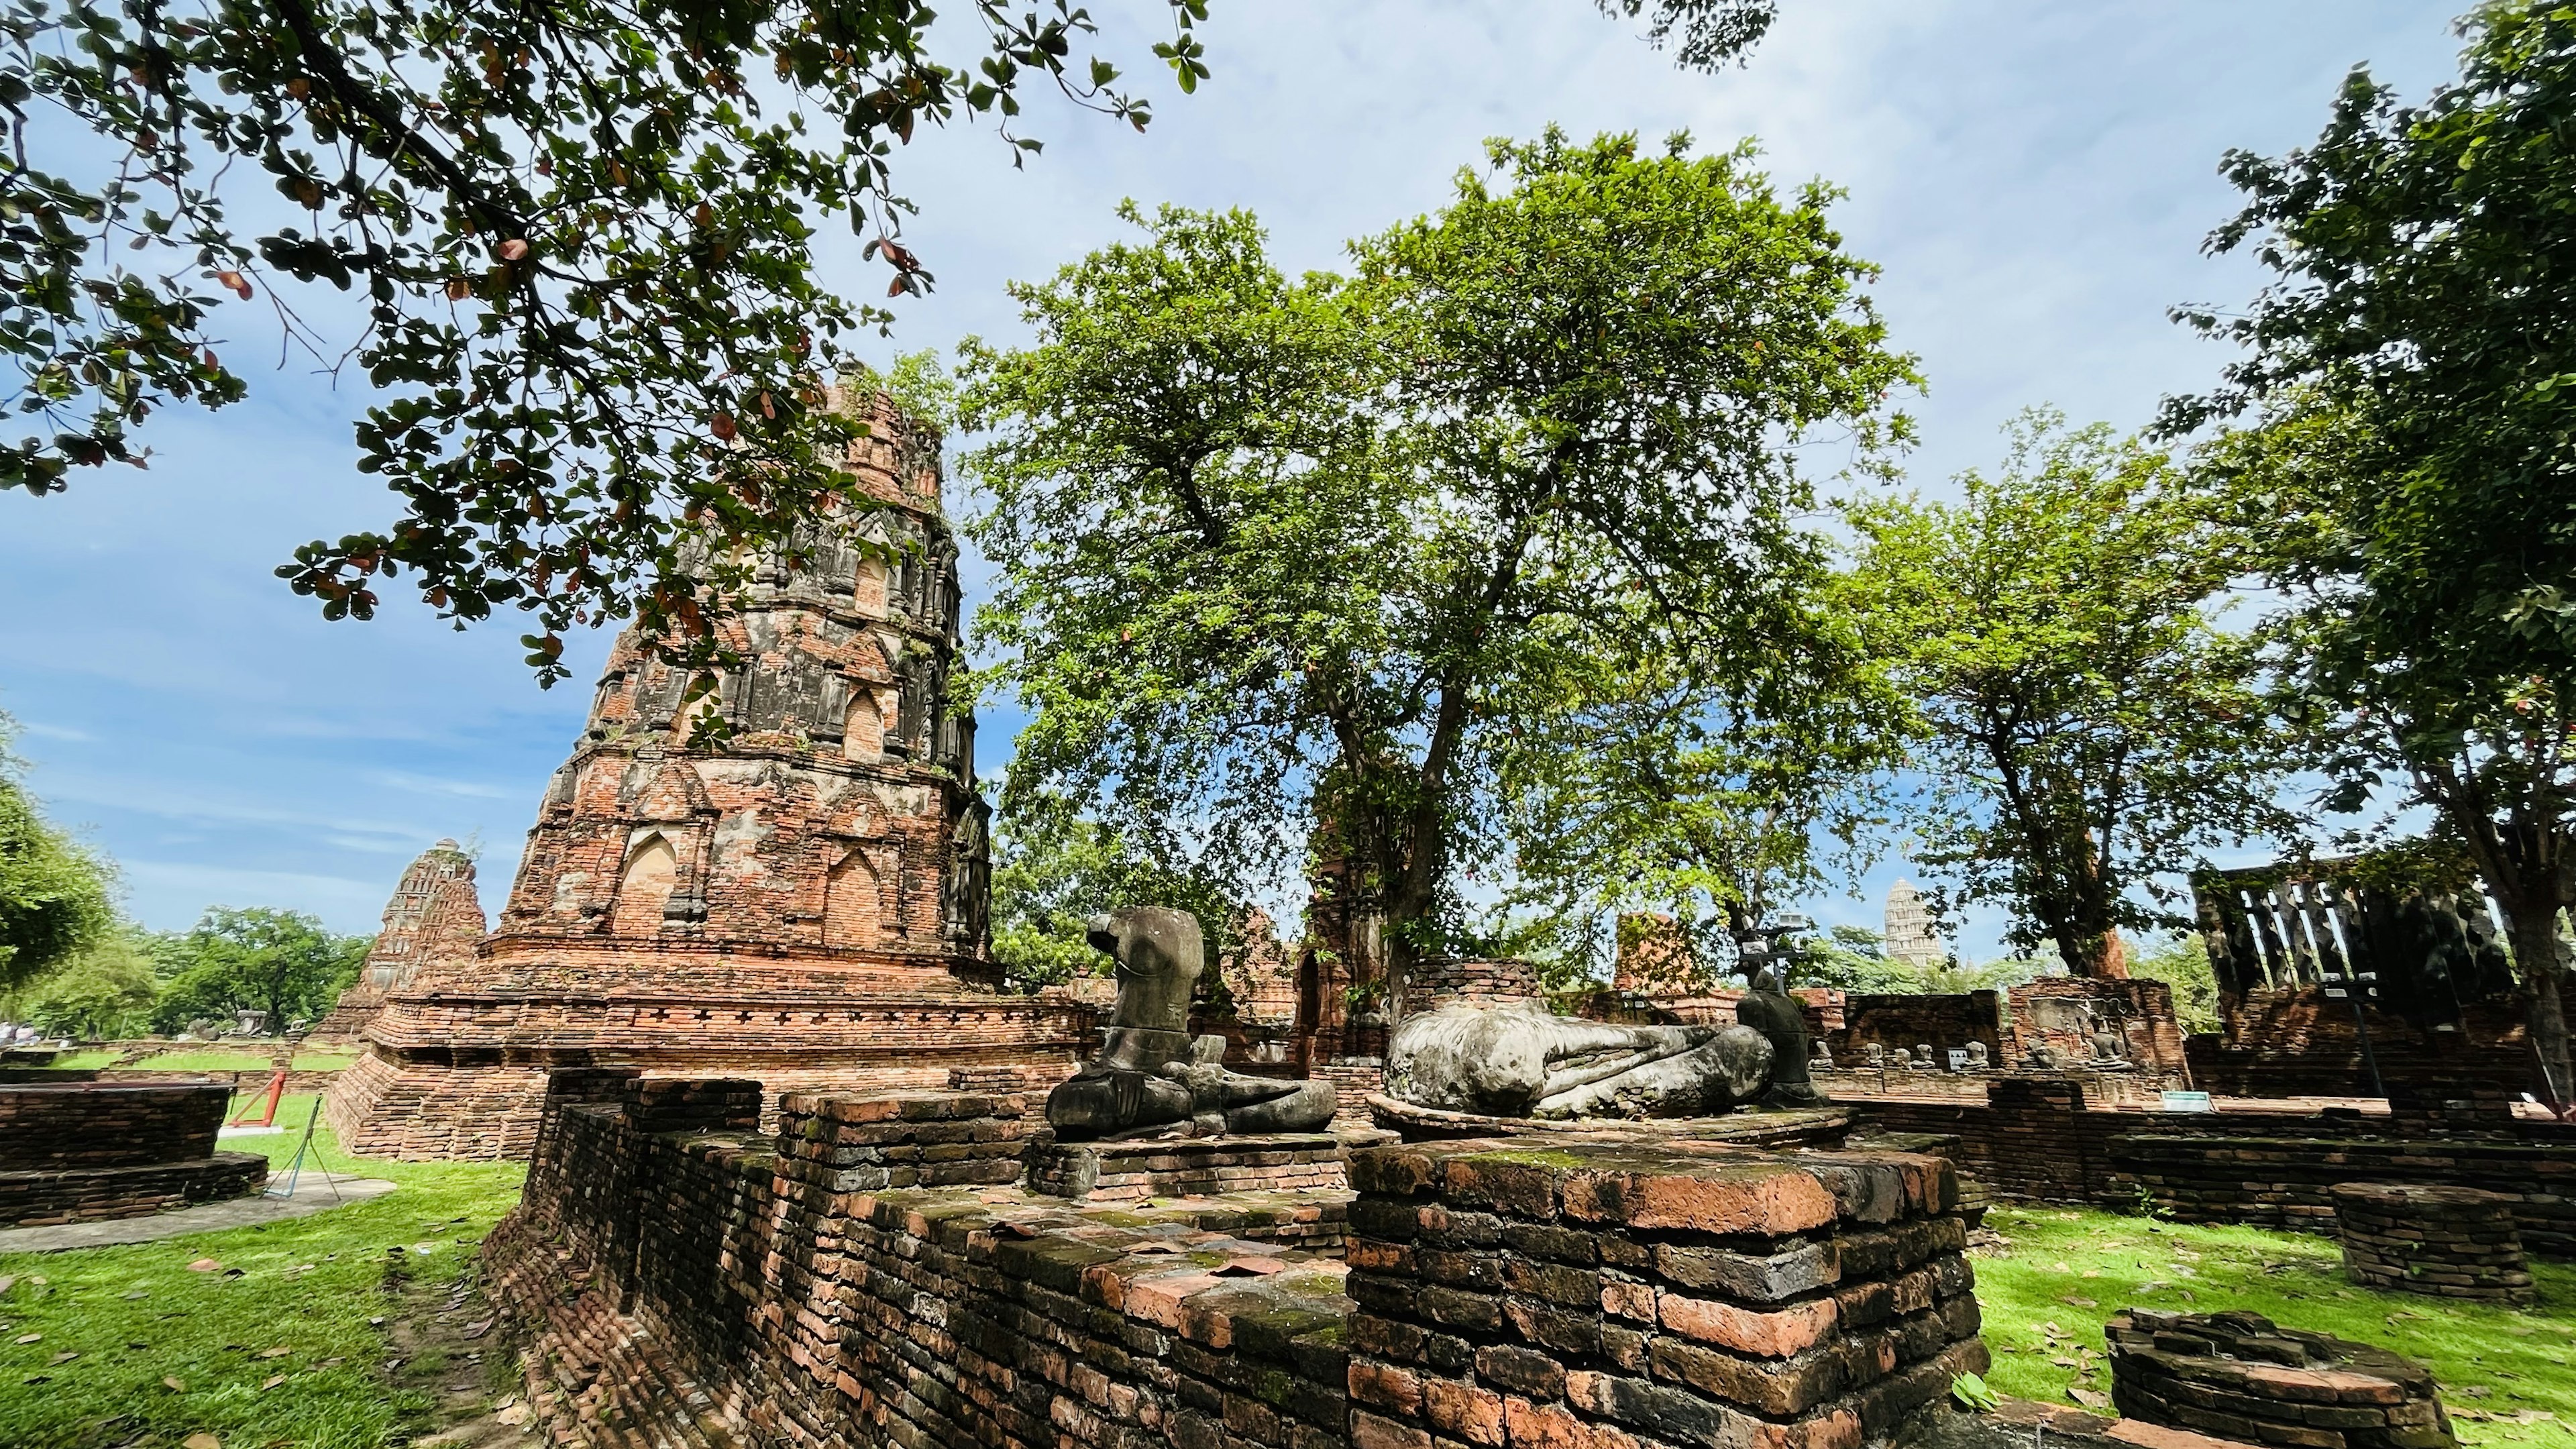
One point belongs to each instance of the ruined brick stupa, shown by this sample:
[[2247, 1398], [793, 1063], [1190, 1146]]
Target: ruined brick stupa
[[804, 904], [433, 923]]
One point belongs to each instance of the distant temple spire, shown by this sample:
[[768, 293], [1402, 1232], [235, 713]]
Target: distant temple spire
[[1909, 934]]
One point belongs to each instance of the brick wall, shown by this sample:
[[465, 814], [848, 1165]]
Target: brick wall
[[1943, 1021], [83, 1151], [84, 1124], [2297, 1042], [707, 1285], [2058, 1010], [2038, 1138], [714, 1287]]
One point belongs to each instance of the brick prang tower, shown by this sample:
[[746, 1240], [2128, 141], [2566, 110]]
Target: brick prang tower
[[804, 903], [433, 923]]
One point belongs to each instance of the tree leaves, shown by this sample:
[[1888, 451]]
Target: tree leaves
[[573, 233], [2085, 729]]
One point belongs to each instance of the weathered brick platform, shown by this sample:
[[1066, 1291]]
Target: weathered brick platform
[[2241, 1377], [89, 1151], [1127, 1171], [706, 1284], [2446, 1242]]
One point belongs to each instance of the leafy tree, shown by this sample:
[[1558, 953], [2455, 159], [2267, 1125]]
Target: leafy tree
[[106, 991], [578, 238], [1351, 551], [2182, 962], [56, 896], [1678, 809], [281, 962], [1054, 869], [2085, 730], [2409, 384]]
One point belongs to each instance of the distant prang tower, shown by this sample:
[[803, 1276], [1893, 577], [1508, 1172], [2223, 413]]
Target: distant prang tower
[[1909, 936], [804, 904], [433, 923]]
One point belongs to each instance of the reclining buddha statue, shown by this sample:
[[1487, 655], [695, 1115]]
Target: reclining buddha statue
[[1150, 1077], [1522, 1060]]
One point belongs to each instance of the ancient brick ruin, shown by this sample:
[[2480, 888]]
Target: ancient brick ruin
[[2247, 1380], [773, 870], [861, 1276], [432, 925], [83, 1151], [2443, 1242]]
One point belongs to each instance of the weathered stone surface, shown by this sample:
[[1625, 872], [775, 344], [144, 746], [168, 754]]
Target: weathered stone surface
[[1149, 1074], [1520, 1060]]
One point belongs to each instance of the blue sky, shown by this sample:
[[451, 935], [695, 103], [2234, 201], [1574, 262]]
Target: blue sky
[[2036, 179]]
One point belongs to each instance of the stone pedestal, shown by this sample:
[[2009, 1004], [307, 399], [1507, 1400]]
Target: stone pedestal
[[74, 1152], [2239, 1376], [2445, 1242], [1184, 1167]]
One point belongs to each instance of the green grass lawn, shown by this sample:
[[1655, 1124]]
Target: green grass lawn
[[275, 1347], [2504, 1374]]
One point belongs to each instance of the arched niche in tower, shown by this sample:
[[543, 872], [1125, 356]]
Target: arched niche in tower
[[644, 886], [863, 729], [854, 908], [708, 703]]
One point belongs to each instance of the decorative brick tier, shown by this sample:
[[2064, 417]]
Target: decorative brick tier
[[1128, 1171], [2448, 1242], [87, 1151], [1570, 1292], [2239, 1376], [422, 1093]]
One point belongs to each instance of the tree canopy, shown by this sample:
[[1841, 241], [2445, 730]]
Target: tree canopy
[[57, 898], [2083, 729], [1350, 552], [284, 963], [1054, 869], [576, 242], [2407, 391]]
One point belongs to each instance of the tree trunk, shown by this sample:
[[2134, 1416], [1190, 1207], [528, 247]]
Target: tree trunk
[[2542, 959]]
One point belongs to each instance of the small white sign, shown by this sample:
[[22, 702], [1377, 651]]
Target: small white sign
[[2189, 1102], [1958, 1059]]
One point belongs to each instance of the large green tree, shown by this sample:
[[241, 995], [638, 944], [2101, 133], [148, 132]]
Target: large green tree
[[2084, 730], [577, 238], [105, 991], [284, 963], [1055, 868], [56, 896], [2409, 381], [1348, 551]]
